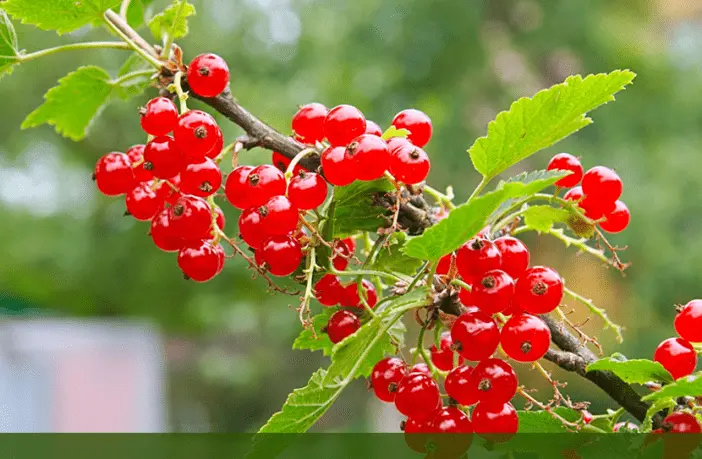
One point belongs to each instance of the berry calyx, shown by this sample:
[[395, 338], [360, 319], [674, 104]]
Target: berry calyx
[[451, 420], [307, 190], [566, 162], [681, 422], [476, 257], [602, 184], [688, 322], [539, 290], [201, 178], [328, 290], [342, 124], [191, 217], [373, 128], [208, 75], [282, 255], [457, 385], [493, 292], [370, 155], [475, 335], [143, 202], [495, 418], [136, 156], [163, 158], [515, 256], [386, 376], [342, 324], [264, 182], [409, 164], [443, 357], [113, 174], [417, 123], [199, 260], [308, 122], [525, 338], [417, 396], [195, 133], [677, 356], [159, 116], [163, 234], [279, 216], [236, 187], [251, 227], [616, 220], [338, 166], [493, 381]]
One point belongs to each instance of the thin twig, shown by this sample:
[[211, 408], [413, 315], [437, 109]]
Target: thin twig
[[585, 337], [601, 313]]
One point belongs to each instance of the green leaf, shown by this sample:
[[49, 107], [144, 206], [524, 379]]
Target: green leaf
[[532, 124], [8, 44], [467, 219], [173, 21], [60, 15], [656, 407], [354, 208], [391, 258], [637, 371], [392, 131], [543, 422], [542, 218], [136, 12], [314, 339], [134, 86], [689, 385]]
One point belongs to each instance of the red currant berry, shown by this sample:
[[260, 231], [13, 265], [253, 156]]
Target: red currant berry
[[208, 75], [417, 396], [539, 290], [515, 256], [451, 420], [617, 220], [218, 145], [494, 292], [342, 251], [328, 290], [385, 377], [602, 184], [136, 156], [416, 431], [342, 324], [476, 257], [236, 187], [688, 322], [681, 422], [199, 260], [113, 174], [587, 417], [169, 190], [409, 164], [195, 133], [282, 255], [343, 124], [574, 194], [351, 299], [525, 338], [475, 335], [220, 220], [371, 156], [442, 358], [307, 190], [163, 158], [159, 116], [495, 418], [458, 388], [279, 216], [201, 179], [466, 298], [567, 162], [593, 209], [251, 228], [338, 166], [493, 381], [396, 142], [280, 161], [163, 234], [264, 182], [142, 202], [444, 265], [191, 217], [420, 368], [417, 123], [677, 356], [308, 122], [373, 128]]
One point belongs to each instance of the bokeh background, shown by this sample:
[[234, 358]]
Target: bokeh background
[[218, 355]]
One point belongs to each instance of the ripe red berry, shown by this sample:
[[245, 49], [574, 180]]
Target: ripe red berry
[[409, 164], [525, 338], [539, 290], [515, 256], [574, 194], [417, 123], [343, 124], [264, 182], [251, 227], [420, 368], [371, 156], [493, 381], [195, 133], [338, 166], [159, 116], [476, 257], [199, 260], [136, 156], [457, 386], [191, 217], [417, 396], [451, 420], [495, 418], [201, 178], [328, 290], [475, 335], [587, 416], [593, 209], [350, 297], [282, 255], [342, 251], [443, 357], [163, 234], [494, 291], [342, 324], [385, 377], [466, 298], [236, 187], [416, 431], [567, 162], [688, 322], [677, 356], [308, 122], [307, 190], [444, 265], [218, 145], [163, 158], [602, 184], [373, 128], [169, 190], [616, 220], [113, 174], [208, 75], [396, 142], [142, 202], [681, 422], [279, 216], [220, 220]]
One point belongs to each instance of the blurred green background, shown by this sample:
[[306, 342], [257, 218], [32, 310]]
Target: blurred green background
[[69, 251]]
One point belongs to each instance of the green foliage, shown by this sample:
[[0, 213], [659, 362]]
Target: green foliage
[[543, 422], [689, 385], [8, 44], [542, 218], [136, 12], [60, 15], [131, 86], [313, 339], [354, 208], [655, 408], [638, 371], [173, 21], [532, 124], [391, 258]]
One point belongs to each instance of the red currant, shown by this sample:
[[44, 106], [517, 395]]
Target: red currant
[[163, 158], [282, 255], [602, 184], [114, 174], [442, 358], [196, 133], [343, 124], [476, 257], [458, 388], [338, 166], [417, 396], [475, 335], [251, 227], [681, 422], [373, 128], [465, 296], [525, 338], [163, 234], [264, 182], [136, 156], [493, 381], [191, 217], [208, 75], [416, 431], [308, 122], [279, 216], [199, 260], [495, 418], [567, 162], [201, 179], [220, 220], [451, 420], [515, 256], [351, 299], [236, 187], [142, 202], [574, 194], [169, 190], [307, 190], [587, 417], [444, 265], [218, 145], [159, 116], [539, 290], [593, 209], [617, 220], [688, 322], [420, 368], [409, 164], [385, 377], [417, 123], [396, 142], [328, 290], [342, 324], [677, 356], [342, 251], [370, 155], [494, 292]]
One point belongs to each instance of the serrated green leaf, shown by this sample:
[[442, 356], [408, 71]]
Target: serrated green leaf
[[528, 178], [637, 371], [392, 131], [8, 44], [689, 385], [532, 124], [391, 258], [655, 408], [542, 218], [314, 339], [60, 15], [354, 209], [467, 219], [543, 422], [173, 21]]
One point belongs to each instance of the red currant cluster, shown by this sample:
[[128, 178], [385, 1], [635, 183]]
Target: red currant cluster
[[599, 194], [677, 355]]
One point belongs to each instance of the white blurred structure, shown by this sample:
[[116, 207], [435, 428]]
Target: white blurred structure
[[81, 376]]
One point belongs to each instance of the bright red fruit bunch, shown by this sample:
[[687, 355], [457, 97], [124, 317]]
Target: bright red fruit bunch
[[677, 355]]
